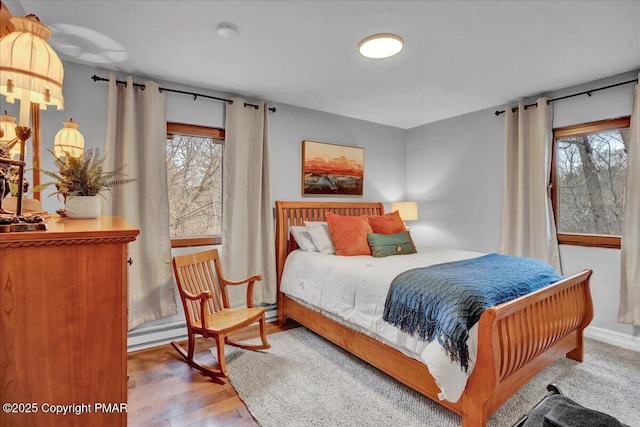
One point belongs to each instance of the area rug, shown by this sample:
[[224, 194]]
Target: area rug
[[304, 380]]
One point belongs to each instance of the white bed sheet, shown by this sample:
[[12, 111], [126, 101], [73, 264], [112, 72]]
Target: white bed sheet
[[353, 290]]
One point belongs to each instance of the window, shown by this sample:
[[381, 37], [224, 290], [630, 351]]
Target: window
[[588, 176], [194, 178]]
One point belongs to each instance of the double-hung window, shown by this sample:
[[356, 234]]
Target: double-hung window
[[588, 182], [194, 179]]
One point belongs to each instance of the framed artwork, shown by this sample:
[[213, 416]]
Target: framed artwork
[[332, 169]]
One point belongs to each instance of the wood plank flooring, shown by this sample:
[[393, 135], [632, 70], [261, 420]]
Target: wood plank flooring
[[163, 391]]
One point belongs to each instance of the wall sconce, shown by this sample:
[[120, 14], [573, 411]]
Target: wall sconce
[[68, 140], [408, 210], [31, 71]]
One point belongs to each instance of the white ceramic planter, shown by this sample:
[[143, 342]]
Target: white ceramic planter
[[83, 207]]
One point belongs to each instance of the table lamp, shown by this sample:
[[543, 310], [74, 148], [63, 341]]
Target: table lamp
[[68, 140], [30, 71], [408, 211]]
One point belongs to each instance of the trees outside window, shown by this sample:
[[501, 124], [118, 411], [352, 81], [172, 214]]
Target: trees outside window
[[589, 173], [194, 178]]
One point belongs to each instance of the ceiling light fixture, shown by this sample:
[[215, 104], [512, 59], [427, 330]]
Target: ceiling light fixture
[[379, 46]]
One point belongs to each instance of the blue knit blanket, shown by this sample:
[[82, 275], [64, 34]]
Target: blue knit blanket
[[444, 301]]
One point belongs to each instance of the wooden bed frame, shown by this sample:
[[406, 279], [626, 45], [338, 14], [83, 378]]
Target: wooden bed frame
[[516, 340]]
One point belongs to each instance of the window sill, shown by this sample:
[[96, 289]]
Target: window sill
[[592, 240], [187, 242]]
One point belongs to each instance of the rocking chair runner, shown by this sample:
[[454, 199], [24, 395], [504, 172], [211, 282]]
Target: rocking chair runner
[[206, 306]]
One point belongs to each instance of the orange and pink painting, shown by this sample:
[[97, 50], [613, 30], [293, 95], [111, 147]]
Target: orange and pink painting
[[332, 169]]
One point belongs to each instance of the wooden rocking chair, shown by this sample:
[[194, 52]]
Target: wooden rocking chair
[[206, 307]]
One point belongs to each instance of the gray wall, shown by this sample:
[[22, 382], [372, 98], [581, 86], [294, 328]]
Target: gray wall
[[86, 102], [454, 167], [455, 171], [383, 150]]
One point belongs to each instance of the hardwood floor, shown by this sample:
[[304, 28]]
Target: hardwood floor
[[163, 391]]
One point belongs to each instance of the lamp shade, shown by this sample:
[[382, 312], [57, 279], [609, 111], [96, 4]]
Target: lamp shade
[[68, 140], [29, 67], [8, 126], [408, 210]]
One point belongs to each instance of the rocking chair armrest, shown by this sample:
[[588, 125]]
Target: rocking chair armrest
[[254, 278], [203, 296], [249, 281]]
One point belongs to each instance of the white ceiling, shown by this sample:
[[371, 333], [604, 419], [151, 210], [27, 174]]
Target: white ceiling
[[459, 56]]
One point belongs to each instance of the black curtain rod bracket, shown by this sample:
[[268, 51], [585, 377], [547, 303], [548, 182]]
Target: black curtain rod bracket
[[194, 94], [586, 92]]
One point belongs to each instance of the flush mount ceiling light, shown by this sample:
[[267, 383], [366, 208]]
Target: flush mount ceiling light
[[379, 46]]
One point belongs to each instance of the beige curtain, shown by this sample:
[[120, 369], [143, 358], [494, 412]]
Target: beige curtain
[[528, 226], [629, 309], [136, 137], [248, 245]]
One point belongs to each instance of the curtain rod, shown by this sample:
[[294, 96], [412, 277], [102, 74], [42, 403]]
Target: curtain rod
[[194, 94], [586, 92]]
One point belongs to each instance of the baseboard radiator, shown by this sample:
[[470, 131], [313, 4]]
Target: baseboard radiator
[[153, 336]]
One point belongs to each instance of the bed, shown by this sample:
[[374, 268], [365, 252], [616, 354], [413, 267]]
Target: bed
[[515, 340]]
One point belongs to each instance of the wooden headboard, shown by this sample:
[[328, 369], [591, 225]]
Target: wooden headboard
[[296, 213]]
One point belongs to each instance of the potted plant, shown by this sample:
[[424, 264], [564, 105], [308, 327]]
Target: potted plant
[[80, 180]]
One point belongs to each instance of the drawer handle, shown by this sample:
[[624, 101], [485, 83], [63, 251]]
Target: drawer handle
[[130, 261]]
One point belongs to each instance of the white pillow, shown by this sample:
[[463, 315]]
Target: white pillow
[[303, 238], [321, 237]]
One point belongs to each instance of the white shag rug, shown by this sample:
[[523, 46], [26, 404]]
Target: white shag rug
[[304, 380]]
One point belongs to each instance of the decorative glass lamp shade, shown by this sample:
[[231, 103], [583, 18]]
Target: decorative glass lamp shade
[[68, 140], [29, 68], [8, 126], [408, 210]]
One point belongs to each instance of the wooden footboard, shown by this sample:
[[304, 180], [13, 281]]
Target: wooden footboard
[[516, 340]]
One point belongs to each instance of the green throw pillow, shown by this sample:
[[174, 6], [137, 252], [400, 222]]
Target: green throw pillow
[[391, 244]]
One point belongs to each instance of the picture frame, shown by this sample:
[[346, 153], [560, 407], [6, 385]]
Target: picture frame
[[332, 169]]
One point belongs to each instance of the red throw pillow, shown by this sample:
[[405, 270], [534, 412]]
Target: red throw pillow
[[390, 223], [349, 234]]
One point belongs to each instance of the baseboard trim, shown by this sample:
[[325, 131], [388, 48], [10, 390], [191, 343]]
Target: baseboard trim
[[153, 336], [156, 335], [614, 338]]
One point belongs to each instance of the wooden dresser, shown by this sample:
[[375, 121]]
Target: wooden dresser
[[63, 324]]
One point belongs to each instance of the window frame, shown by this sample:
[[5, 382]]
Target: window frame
[[579, 239], [201, 131]]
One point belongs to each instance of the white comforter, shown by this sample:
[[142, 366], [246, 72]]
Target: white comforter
[[353, 290]]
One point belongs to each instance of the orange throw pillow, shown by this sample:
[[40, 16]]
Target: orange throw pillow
[[349, 234], [390, 223]]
